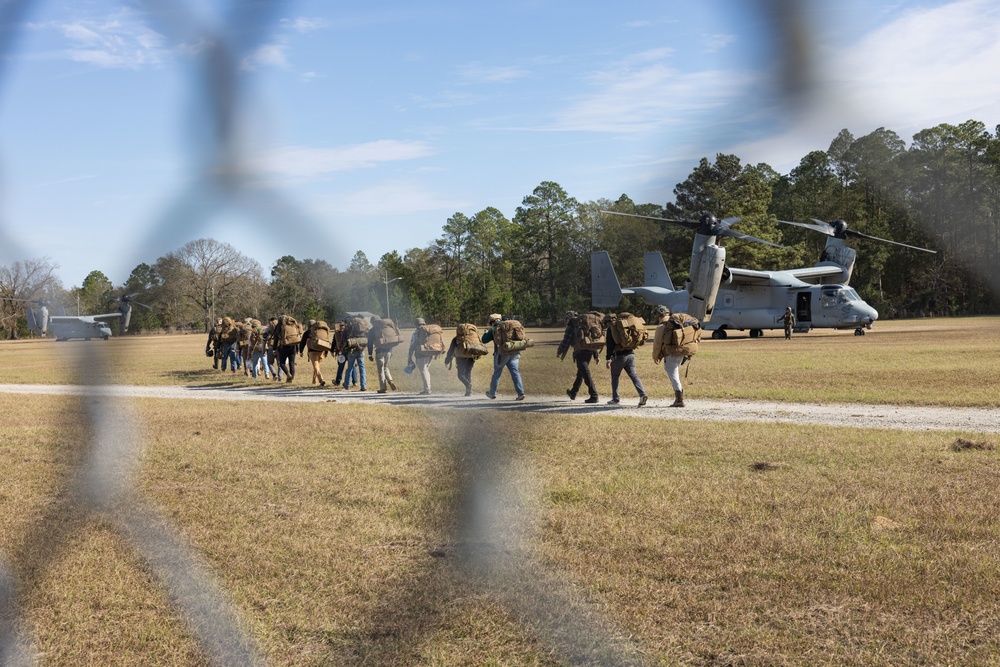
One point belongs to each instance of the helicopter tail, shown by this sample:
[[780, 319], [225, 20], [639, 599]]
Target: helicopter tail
[[656, 274], [605, 290]]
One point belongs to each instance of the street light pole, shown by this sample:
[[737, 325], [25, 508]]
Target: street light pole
[[387, 281]]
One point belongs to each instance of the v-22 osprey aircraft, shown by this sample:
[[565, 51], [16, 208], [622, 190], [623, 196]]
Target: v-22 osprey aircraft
[[727, 298], [66, 327]]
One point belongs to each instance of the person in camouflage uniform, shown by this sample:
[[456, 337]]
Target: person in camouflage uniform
[[213, 348]]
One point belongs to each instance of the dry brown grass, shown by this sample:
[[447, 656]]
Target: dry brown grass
[[333, 528], [951, 362]]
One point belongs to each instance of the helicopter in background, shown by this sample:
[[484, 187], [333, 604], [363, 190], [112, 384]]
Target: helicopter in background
[[727, 298], [64, 327]]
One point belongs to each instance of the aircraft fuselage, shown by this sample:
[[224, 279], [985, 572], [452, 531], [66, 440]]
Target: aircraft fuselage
[[65, 328], [816, 306]]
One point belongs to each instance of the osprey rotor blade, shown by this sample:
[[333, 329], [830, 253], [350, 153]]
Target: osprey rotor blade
[[746, 237], [690, 224], [816, 226], [851, 232], [839, 229]]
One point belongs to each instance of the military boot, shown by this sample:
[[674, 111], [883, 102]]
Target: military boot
[[678, 399]]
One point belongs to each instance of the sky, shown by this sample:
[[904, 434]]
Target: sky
[[317, 129]]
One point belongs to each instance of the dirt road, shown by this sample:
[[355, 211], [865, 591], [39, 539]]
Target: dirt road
[[976, 420]]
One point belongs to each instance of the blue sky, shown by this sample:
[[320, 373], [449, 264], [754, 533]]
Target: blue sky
[[366, 128]]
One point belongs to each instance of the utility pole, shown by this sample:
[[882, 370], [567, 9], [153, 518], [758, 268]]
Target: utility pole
[[387, 281]]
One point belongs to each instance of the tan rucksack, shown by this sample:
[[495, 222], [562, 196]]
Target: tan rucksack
[[430, 339], [508, 331], [356, 337], [320, 338], [230, 334], [680, 336], [628, 331], [256, 338], [467, 342], [388, 335], [589, 332], [291, 331], [245, 330]]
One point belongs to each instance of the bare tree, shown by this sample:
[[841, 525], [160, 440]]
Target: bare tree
[[215, 277], [24, 281]]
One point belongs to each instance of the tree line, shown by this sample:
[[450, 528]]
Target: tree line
[[942, 192]]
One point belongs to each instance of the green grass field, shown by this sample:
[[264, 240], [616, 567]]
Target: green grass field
[[339, 531]]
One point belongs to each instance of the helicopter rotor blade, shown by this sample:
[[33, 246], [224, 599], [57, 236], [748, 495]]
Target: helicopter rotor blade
[[690, 224], [722, 228], [746, 237], [819, 226], [851, 232], [841, 230]]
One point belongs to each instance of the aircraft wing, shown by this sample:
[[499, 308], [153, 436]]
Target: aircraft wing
[[813, 272], [107, 315], [788, 278], [765, 278]]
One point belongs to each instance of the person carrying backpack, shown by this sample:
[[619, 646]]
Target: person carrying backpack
[[501, 361], [316, 353], [620, 358], [581, 355], [675, 342], [286, 336], [213, 348], [377, 343], [464, 350], [425, 344], [355, 342]]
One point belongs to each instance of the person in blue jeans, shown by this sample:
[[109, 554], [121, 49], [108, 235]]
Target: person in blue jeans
[[355, 359], [501, 361]]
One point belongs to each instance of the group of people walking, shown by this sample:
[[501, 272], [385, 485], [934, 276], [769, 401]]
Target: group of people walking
[[271, 350], [618, 336]]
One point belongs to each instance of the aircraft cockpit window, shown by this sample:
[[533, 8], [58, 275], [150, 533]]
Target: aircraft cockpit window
[[836, 296]]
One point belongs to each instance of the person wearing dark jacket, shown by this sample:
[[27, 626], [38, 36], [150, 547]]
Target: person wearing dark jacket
[[286, 353], [583, 359], [622, 359]]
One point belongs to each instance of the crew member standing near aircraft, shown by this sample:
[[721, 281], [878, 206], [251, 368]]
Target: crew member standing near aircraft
[[582, 356], [789, 320], [213, 348], [675, 341], [501, 361]]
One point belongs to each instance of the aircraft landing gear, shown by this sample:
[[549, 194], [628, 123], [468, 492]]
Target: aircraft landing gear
[[756, 333], [719, 334], [859, 332]]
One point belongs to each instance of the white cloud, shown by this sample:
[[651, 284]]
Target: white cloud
[[303, 24], [119, 41], [930, 66], [268, 55], [926, 67], [301, 161], [643, 93], [717, 42]]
